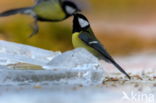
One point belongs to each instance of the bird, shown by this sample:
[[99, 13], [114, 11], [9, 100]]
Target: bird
[[46, 11], [83, 37]]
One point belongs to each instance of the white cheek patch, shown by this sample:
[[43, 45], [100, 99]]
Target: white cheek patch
[[70, 10], [83, 23]]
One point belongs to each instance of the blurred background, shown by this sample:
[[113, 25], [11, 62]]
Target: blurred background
[[123, 26]]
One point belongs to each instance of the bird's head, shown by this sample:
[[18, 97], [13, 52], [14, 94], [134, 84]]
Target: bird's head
[[80, 23], [70, 7]]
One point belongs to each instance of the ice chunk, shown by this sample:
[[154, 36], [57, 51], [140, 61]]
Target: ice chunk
[[73, 59], [30, 77], [11, 53], [3, 67], [78, 63], [73, 67]]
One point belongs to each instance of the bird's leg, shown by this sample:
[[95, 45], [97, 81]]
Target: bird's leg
[[35, 28]]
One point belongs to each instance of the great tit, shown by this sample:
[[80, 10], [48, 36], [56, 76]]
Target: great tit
[[83, 37], [46, 10]]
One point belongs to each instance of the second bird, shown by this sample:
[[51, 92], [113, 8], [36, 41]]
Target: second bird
[[83, 37], [46, 10]]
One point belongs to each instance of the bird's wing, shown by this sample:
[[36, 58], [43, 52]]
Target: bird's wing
[[40, 1], [91, 41]]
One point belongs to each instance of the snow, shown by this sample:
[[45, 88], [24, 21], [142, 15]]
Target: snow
[[74, 76]]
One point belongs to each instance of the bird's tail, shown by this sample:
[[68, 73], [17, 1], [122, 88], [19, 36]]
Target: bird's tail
[[120, 68], [26, 10]]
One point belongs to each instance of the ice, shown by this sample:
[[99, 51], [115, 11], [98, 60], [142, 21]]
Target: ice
[[73, 67], [74, 76], [80, 63], [17, 77], [11, 53], [75, 59], [60, 95], [76, 94]]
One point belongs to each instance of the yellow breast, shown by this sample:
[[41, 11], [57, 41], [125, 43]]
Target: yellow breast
[[50, 10], [78, 43]]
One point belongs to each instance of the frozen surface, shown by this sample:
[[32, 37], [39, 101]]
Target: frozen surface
[[72, 67], [11, 53], [70, 77], [74, 76], [78, 58]]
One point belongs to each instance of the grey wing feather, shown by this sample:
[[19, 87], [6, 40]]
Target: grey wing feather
[[39, 1], [15, 11], [87, 38]]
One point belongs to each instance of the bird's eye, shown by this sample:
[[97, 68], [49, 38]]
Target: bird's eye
[[83, 23]]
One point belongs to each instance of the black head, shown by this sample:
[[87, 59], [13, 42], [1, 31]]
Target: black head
[[80, 23], [70, 8]]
